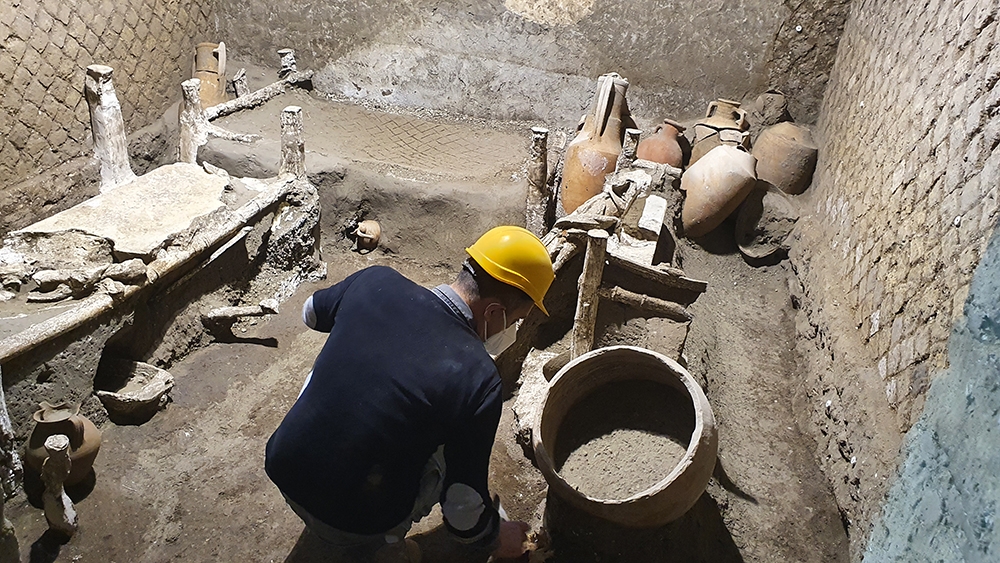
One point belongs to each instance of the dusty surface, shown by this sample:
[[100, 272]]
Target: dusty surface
[[779, 506], [623, 438], [423, 146], [190, 485]]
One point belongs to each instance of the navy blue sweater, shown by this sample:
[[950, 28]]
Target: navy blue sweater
[[401, 373]]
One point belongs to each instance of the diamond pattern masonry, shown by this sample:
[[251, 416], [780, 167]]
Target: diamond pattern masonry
[[45, 47]]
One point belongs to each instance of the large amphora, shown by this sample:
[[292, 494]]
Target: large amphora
[[594, 151], [715, 186], [64, 418], [786, 157]]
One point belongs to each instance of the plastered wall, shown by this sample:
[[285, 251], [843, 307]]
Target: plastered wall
[[539, 59], [45, 47], [903, 203]]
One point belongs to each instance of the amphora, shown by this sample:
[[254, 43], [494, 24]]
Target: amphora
[[210, 68], [786, 157], [594, 151], [64, 418], [715, 186], [665, 145], [724, 124]]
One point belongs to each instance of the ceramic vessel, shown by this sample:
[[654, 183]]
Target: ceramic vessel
[[670, 497], [664, 145], [786, 157], [369, 234], [715, 186], [210, 68], [137, 390], [594, 151], [764, 221], [724, 124], [725, 114], [64, 418]]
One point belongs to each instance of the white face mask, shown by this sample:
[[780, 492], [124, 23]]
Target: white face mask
[[501, 340]]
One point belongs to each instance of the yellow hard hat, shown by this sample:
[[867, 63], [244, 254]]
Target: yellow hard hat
[[516, 257]]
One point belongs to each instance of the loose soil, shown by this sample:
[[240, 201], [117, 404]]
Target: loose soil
[[623, 438]]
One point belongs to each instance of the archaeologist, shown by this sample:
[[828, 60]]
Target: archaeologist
[[402, 406]]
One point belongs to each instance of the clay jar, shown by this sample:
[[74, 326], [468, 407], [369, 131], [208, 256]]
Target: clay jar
[[724, 124], [715, 186], [594, 151], [64, 418], [210, 68], [664, 145], [786, 157], [369, 234]]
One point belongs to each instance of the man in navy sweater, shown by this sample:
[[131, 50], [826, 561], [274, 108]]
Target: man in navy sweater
[[402, 406]]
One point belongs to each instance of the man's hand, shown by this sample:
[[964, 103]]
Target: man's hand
[[510, 543]]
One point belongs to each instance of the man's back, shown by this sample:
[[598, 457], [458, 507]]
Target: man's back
[[401, 373]]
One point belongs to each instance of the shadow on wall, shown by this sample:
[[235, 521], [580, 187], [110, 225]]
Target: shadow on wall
[[943, 505]]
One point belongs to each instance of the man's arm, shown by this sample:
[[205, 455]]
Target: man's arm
[[465, 499], [320, 309]]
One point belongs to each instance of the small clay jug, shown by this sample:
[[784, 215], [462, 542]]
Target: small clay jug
[[786, 157], [664, 145], [715, 186], [210, 68], [594, 151], [369, 234], [64, 418]]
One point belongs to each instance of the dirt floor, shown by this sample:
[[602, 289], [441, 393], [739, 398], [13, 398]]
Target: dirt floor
[[190, 485]]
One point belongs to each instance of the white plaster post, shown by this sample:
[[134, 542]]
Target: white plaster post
[[59, 510], [194, 125], [629, 146], [539, 196], [10, 463], [287, 62], [240, 84], [192, 120], [107, 127], [293, 149]]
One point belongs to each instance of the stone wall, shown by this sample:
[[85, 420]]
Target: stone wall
[[539, 59], [45, 46], [902, 205]]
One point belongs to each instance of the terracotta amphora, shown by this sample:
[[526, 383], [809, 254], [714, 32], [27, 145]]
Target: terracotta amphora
[[724, 124], [715, 186], [210, 68], [64, 418], [664, 145], [594, 151], [786, 157]]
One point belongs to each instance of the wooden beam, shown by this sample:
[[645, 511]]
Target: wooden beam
[[586, 305], [659, 307]]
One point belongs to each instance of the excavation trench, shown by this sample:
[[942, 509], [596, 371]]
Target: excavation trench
[[189, 484]]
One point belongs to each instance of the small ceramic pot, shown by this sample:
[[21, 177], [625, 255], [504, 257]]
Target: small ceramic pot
[[664, 145], [64, 418]]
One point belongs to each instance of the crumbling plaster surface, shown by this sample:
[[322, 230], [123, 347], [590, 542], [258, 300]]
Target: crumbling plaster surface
[[900, 210], [943, 504], [538, 60]]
